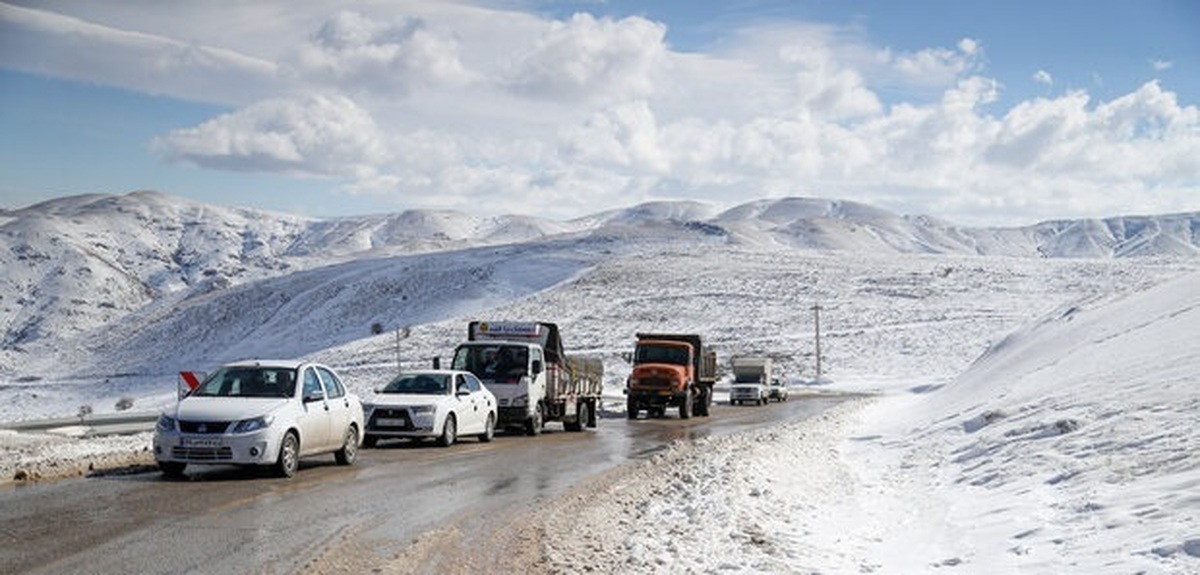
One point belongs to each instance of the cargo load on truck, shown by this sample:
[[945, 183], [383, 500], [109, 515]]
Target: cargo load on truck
[[671, 370], [523, 364]]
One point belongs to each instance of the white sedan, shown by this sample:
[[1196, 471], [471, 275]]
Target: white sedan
[[261, 413], [444, 404]]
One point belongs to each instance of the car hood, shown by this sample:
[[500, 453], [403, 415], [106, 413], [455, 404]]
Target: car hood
[[406, 399], [226, 408]]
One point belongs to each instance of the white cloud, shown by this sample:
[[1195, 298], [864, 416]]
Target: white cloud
[[1160, 65], [1043, 77], [586, 58], [44, 42], [936, 66], [327, 136], [622, 137], [355, 52], [439, 104]]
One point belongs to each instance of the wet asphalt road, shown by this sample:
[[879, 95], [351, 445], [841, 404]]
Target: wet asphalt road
[[231, 520]]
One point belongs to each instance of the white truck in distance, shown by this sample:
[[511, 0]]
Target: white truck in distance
[[751, 376], [523, 365]]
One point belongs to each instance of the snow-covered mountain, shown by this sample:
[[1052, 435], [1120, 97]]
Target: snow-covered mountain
[[100, 286], [1029, 398]]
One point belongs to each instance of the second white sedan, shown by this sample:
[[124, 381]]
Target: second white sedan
[[442, 404]]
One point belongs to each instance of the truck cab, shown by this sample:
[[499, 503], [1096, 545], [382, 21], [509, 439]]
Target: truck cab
[[513, 371], [523, 364], [751, 380], [670, 370], [747, 389]]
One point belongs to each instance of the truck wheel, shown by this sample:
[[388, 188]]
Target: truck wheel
[[685, 406], [631, 409], [533, 425], [592, 417], [580, 418], [705, 402]]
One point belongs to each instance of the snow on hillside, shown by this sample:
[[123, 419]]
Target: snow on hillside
[[1027, 414], [107, 297], [1069, 447], [73, 266], [76, 269]]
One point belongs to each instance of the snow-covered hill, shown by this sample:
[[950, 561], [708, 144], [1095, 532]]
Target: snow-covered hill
[[1030, 414], [1067, 447], [102, 289]]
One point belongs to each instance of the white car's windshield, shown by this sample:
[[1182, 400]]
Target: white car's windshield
[[426, 383], [248, 382]]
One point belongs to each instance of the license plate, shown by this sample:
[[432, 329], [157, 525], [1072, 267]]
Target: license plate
[[391, 422], [200, 442]]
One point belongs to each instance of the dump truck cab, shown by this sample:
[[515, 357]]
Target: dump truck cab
[[670, 370]]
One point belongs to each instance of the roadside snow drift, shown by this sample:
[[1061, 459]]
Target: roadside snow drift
[[1067, 448]]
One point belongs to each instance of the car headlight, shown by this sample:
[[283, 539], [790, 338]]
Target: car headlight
[[421, 409], [520, 401], [166, 424], [248, 425]]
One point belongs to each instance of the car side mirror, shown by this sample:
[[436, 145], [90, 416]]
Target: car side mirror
[[318, 395], [537, 366]]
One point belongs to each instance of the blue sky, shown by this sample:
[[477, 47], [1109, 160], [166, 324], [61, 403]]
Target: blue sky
[[1001, 113]]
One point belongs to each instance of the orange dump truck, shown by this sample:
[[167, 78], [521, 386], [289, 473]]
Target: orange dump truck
[[671, 370]]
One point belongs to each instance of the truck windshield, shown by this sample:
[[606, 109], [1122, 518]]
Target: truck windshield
[[248, 382], [493, 363], [747, 378], [661, 354]]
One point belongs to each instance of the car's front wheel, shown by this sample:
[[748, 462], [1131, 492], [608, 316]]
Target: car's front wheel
[[349, 451], [489, 429], [289, 456], [449, 432]]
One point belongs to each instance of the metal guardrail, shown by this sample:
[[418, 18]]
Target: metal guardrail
[[94, 425]]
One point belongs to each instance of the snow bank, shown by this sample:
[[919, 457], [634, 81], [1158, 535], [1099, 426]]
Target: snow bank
[[44, 456], [1067, 448]]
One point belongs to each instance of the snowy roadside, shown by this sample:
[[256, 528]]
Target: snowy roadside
[[1068, 448], [748, 502], [29, 457]]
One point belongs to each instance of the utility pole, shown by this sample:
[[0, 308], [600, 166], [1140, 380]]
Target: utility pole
[[816, 308]]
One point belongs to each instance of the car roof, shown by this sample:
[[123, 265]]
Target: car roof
[[284, 363], [430, 372]]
